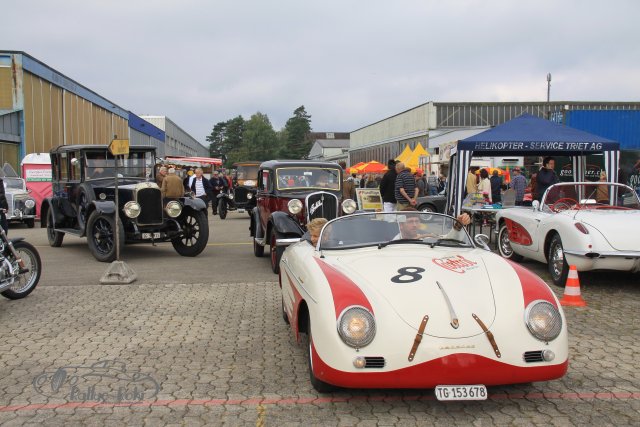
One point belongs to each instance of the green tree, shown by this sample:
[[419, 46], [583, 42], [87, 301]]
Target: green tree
[[259, 140], [298, 128], [226, 138]]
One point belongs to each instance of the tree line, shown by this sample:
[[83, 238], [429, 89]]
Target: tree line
[[238, 139]]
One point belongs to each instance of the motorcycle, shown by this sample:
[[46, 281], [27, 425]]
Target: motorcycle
[[226, 203], [20, 267]]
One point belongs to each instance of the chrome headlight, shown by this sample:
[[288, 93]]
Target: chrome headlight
[[249, 196], [295, 206], [349, 206], [173, 209], [356, 326], [230, 195], [543, 320], [132, 209], [30, 203]]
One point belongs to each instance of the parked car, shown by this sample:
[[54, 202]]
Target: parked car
[[290, 194], [83, 203], [245, 183], [437, 203], [406, 300], [22, 207], [586, 224]]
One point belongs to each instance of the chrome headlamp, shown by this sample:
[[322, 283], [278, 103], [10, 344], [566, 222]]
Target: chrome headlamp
[[249, 195], [349, 206], [230, 195], [295, 206], [173, 209], [356, 326], [543, 320], [132, 209], [29, 203]]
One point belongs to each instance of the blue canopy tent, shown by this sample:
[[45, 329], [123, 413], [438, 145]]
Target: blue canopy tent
[[527, 135]]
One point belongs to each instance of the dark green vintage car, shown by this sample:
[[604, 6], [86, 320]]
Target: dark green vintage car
[[83, 203]]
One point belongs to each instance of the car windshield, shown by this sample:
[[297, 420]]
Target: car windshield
[[293, 178], [600, 195], [384, 229], [247, 172], [13, 183], [134, 165]]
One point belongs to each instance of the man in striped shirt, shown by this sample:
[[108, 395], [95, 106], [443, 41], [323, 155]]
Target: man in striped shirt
[[406, 189]]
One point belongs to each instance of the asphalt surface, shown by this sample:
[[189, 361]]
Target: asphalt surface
[[200, 341]]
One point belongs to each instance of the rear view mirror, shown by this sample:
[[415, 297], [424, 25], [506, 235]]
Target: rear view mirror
[[483, 241], [535, 204], [74, 161]]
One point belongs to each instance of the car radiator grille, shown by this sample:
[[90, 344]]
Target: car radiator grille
[[374, 362], [322, 205], [240, 194], [533, 356], [150, 201]]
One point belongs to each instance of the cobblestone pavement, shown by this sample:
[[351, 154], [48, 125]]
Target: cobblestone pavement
[[221, 354]]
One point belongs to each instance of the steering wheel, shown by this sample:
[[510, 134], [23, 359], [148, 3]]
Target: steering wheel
[[563, 204]]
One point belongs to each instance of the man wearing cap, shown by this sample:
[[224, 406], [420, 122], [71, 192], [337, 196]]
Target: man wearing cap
[[172, 187], [518, 183]]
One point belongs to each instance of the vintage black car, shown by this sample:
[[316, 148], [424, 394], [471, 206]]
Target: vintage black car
[[437, 203], [83, 203], [245, 183], [290, 194]]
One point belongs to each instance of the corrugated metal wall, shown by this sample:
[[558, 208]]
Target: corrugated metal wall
[[55, 117]]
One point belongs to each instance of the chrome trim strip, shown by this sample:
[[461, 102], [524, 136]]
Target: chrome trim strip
[[287, 242], [617, 254]]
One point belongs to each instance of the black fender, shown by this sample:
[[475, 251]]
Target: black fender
[[254, 225], [16, 239], [45, 207], [196, 204], [285, 224], [103, 206]]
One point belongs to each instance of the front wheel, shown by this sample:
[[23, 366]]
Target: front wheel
[[504, 245], [557, 264], [101, 236], [427, 208], [276, 253], [222, 209], [317, 384], [54, 237], [195, 233], [27, 278]]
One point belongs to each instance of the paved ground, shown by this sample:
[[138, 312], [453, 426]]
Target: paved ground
[[201, 341]]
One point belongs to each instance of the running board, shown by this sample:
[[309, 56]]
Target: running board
[[73, 231]]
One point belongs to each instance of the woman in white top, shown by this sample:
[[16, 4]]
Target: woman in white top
[[484, 187]]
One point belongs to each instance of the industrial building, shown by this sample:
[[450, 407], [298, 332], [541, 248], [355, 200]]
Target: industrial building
[[41, 108], [177, 141]]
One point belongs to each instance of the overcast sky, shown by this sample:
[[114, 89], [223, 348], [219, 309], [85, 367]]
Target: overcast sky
[[350, 63]]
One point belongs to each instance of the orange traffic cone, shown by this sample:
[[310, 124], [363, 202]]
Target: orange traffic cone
[[572, 290]]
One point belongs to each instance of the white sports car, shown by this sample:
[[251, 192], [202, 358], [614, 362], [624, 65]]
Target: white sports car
[[592, 225], [406, 300]]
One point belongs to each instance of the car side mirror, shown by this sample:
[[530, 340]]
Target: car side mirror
[[483, 241], [535, 204], [29, 190], [74, 161]]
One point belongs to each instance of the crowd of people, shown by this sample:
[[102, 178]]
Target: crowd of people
[[172, 186]]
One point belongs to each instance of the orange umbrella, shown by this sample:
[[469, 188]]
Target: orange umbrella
[[372, 167], [354, 168]]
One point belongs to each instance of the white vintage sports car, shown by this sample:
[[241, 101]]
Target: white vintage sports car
[[592, 225], [406, 300]]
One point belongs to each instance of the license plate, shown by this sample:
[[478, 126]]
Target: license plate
[[461, 392], [149, 235], [240, 210]]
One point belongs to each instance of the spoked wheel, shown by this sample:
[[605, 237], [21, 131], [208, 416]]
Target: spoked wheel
[[195, 233], [504, 245], [276, 253], [54, 237], [101, 236], [27, 279], [557, 264], [317, 384]]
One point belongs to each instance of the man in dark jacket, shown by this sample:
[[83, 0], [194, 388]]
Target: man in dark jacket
[[388, 187], [546, 177], [496, 186], [218, 185], [201, 187]]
